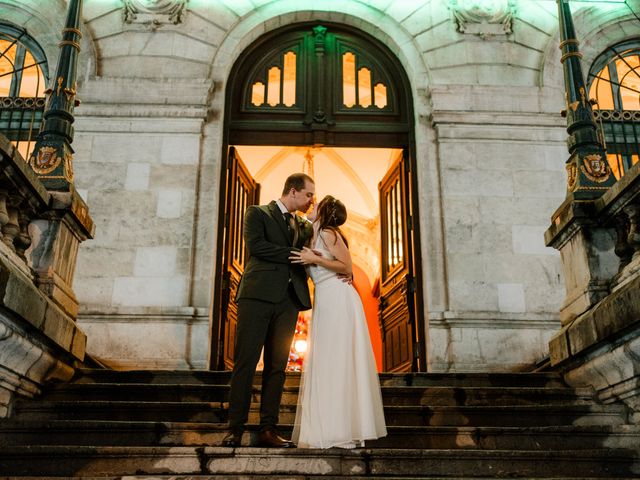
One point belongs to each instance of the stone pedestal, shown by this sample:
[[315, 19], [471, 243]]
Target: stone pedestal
[[56, 239], [588, 257]]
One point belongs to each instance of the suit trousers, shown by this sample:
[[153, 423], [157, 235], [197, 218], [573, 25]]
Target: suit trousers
[[272, 326]]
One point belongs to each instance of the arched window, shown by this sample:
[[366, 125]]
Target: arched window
[[614, 83], [23, 80], [312, 84]]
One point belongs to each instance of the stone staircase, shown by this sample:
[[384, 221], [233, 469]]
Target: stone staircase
[[168, 424]]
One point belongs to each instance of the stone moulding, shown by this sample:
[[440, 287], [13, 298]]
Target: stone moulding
[[154, 12], [483, 18]]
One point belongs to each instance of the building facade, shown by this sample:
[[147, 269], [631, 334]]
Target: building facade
[[475, 89]]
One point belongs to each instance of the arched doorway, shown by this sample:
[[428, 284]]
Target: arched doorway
[[325, 91]]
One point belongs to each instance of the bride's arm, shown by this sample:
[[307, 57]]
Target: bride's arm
[[337, 248]]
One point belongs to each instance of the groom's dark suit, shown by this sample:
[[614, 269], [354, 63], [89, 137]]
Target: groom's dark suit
[[271, 292]]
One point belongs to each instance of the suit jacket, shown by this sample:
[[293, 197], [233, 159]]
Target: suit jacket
[[268, 269]]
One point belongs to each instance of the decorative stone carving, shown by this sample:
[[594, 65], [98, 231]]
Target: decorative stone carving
[[483, 18], [623, 249], [633, 212], [154, 13]]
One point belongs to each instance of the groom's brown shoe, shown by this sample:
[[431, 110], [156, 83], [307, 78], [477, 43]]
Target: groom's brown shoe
[[233, 439], [268, 437]]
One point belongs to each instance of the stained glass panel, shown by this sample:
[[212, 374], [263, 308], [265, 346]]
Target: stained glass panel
[[349, 79], [273, 86]]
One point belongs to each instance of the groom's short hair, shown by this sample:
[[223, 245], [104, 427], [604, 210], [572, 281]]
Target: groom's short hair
[[297, 181]]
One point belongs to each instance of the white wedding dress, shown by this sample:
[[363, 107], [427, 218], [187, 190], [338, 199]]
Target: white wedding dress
[[340, 404]]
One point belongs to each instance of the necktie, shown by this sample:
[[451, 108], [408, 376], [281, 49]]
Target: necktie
[[293, 227]]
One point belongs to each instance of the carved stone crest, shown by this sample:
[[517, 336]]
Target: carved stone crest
[[483, 17], [154, 12], [595, 168], [45, 161]]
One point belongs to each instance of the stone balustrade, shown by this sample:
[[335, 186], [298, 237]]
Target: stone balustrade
[[22, 199], [599, 242], [39, 236]]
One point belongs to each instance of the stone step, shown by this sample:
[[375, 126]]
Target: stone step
[[392, 395], [105, 461], [545, 379], [114, 433], [216, 412], [241, 476]]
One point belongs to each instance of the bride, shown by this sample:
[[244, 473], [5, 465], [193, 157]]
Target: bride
[[340, 404]]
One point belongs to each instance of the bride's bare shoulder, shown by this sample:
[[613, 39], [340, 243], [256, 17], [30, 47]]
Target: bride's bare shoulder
[[328, 235]]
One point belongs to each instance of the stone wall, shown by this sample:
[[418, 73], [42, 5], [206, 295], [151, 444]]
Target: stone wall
[[490, 155]]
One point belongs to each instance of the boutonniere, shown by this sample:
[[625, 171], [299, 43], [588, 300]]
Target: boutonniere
[[305, 227]]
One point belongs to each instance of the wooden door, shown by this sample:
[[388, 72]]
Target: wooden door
[[242, 191], [402, 333]]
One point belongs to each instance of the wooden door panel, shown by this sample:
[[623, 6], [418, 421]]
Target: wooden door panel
[[397, 306], [242, 191]]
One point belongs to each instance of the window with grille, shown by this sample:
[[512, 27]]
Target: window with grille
[[318, 84], [23, 70], [316, 68], [614, 83]]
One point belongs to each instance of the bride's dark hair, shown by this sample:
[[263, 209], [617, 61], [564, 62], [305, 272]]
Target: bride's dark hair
[[331, 214]]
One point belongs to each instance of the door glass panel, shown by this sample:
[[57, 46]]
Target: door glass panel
[[273, 87], [629, 77], [289, 78], [615, 162], [380, 95], [364, 87], [257, 94], [398, 225], [601, 90], [390, 243], [6, 67], [349, 79], [32, 78]]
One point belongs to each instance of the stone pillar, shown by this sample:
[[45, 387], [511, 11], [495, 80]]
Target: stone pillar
[[55, 247]]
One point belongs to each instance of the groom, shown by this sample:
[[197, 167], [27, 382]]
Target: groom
[[271, 293]]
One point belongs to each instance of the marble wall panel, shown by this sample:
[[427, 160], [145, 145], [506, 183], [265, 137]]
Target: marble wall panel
[[140, 338], [142, 291]]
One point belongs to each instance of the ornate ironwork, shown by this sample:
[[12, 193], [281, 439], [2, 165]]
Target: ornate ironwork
[[52, 156], [589, 174]]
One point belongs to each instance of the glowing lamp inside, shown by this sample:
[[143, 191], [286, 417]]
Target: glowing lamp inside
[[300, 346]]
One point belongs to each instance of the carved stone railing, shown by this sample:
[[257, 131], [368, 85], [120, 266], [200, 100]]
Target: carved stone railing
[[599, 242], [39, 236]]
